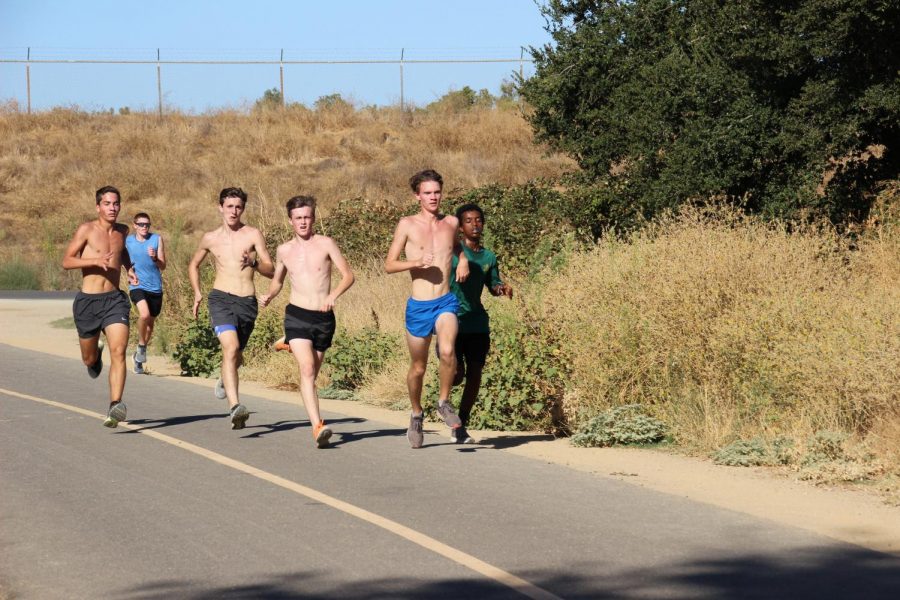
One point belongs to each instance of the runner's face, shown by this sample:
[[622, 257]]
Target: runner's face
[[108, 209], [429, 196], [142, 228], [471, 223], [302, 220], [232, 209]]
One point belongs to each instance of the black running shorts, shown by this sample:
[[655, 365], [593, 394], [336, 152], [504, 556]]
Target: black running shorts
[[472, 348], [153, 299], [94, 312], [238, 312], [313, 325]]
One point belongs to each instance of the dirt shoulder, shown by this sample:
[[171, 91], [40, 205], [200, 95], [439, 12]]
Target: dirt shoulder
[[852, 516]]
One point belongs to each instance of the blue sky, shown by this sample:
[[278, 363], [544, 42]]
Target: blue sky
[[232, 29]]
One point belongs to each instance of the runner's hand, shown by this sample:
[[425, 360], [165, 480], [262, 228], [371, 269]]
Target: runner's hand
[[462, 271], [503, 290], [328, 304], [198, 298], [265, 299], [132, 276], [103, 261], [246, 261], [151, 252]]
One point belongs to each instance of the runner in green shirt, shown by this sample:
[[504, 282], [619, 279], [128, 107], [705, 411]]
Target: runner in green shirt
[[473, 342]]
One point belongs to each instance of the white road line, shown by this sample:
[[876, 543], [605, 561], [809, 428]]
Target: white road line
[[523, 587]]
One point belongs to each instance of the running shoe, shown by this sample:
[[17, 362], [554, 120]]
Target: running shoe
[[322, 433], [138, 365], [115, 415], [239, 416], [220, 389], [461, 436], [414, 433], [94, 369], [140, 355], [448, 415], [280, 345]]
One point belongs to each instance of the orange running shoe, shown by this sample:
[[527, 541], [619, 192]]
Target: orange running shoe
[[322, 433], [281, 345]]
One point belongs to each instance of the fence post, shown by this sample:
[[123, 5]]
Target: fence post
[[521, 61], [28, 78], [281, 77], [159, 83], [402, 50]]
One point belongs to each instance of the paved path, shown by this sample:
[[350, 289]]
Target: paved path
[[176, 505]]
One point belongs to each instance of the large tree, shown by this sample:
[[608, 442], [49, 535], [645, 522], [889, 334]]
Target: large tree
[[787, 106]]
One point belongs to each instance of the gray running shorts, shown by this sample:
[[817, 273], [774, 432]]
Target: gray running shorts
[[94, 312], [227, 311]]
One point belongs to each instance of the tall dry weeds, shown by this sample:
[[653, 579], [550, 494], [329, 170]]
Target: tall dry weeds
[[173, 167], [731, 327]]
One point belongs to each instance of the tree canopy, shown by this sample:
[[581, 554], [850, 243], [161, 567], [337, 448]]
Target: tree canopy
[[788, 107]]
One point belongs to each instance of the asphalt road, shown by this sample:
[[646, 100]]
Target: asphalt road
[[176, 505]]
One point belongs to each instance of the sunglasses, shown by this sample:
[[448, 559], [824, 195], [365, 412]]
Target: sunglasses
[[143, 224]]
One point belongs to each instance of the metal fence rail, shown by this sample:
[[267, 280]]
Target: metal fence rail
[[29, 56]]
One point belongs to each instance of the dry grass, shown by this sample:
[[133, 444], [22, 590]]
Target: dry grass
[[173, 168], [733, 328]]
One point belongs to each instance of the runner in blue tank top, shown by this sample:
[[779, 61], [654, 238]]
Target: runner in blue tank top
[[149, 257]]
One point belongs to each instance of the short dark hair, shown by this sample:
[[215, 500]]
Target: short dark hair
[[422, 176], [232, 192], [107, 189], [468, 208], [300, 202]]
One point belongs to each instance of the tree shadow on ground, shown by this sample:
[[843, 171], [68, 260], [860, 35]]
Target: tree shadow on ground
[[831, 573]]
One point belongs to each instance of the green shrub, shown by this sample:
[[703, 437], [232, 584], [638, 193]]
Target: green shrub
[[353, 356], [626, 425], [756, 452], [364, 228], [18, 275], [198, 353], [825, 446], [522, 383]]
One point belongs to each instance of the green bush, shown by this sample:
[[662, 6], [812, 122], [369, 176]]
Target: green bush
[[364, 228], [198, 352], [522, 383], [18, 275], [756, 452], [626, 425], [355, 355]]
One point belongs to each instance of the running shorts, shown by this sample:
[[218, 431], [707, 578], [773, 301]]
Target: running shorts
[[313, 325], [422, 315], [227, 311], [472, 348], [153, 299], [94, 312]]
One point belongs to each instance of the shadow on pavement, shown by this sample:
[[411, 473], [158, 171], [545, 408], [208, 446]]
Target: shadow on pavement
[[807, 574], [170, 422], [281, 426]]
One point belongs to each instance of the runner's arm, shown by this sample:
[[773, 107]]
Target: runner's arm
[[277, 280], [392, 263], [263, 261], [343, 267], [194, 273], [72, 257], [160, 258]]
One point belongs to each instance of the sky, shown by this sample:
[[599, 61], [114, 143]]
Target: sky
[[257, 30]]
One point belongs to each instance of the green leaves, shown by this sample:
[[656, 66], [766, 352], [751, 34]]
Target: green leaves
[[671, 101]]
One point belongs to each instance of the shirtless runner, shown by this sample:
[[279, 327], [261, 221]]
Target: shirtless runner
[[429, 242], [309, 321], [238, 251], [98, 249]]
